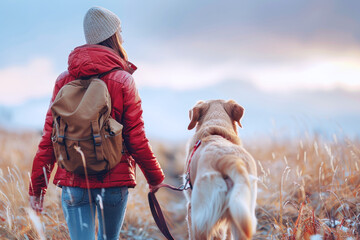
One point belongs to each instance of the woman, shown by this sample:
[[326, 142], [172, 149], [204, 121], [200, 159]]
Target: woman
[[103, 54]]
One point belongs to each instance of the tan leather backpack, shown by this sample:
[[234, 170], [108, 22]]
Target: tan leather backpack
[[81, 117]]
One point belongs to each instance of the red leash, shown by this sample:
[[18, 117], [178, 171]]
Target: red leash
[[157, 213], [155, 206]]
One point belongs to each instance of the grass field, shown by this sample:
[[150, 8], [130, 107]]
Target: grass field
[[309, 188]]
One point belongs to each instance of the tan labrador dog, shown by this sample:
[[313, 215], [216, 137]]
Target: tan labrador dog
[[221, 203]]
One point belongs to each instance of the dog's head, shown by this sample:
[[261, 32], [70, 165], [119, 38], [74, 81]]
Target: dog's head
[[217, 111]]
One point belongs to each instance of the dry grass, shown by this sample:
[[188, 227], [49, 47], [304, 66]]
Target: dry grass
[[307, 187]]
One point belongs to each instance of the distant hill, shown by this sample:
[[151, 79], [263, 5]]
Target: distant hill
[[166, 111], [326, 112]]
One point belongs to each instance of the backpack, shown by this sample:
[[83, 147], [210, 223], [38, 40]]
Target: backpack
[[81, 118]]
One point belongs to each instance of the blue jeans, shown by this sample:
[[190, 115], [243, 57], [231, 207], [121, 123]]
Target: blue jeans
[[79, 212]]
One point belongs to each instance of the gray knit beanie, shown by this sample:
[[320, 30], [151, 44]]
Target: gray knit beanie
[[100, 24]]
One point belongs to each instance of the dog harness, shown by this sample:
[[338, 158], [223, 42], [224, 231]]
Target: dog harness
[[187, 178]]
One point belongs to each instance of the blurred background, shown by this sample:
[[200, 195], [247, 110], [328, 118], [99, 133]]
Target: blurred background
[[293, 65]]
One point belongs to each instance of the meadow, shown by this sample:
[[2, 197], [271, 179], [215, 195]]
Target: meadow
[[309, 188]]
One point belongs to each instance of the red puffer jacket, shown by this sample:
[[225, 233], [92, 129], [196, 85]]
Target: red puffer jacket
[[126, 108]]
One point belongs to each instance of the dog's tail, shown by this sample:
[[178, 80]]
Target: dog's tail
[[226, 191], [241, 196]]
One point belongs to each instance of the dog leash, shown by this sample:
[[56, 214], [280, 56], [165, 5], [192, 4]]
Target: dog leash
[[155, 206], [156, 210]]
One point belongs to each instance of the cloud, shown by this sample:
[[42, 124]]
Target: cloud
[[32, 80], [280, 46], [312, 73], [277, 45], [178, 74], [301, 19], [186, 44]]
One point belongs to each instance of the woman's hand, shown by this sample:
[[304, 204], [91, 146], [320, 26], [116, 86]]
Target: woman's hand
[[36, 203], [154, 188]]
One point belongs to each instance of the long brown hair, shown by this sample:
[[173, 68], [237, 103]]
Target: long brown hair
[[114, 43]]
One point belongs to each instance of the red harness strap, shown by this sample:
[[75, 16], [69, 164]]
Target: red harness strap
[[187, 178], [155, 206]]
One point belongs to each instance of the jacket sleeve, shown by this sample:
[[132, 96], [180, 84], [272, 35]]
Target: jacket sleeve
[[44, 159], [134, 134]]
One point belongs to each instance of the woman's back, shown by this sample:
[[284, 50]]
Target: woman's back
[[105, 58]]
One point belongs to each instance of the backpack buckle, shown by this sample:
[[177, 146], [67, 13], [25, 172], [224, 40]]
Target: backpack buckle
[[97, 139], [60, 139]]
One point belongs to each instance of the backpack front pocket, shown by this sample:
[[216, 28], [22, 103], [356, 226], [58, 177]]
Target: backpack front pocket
[[113, 142]]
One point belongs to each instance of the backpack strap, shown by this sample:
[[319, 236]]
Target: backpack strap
[[101, 75], [61, 133], [97, 140], [106, 73], [61, 138]]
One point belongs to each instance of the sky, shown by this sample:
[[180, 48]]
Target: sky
[[279, 46]]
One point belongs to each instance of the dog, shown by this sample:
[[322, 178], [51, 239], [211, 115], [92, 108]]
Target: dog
[[222, 174]]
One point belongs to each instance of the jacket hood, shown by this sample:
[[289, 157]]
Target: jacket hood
[[88, 60]]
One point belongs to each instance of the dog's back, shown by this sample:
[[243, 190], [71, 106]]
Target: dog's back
[[223, 191], [222, 201]]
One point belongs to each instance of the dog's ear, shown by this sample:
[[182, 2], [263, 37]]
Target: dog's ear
[[195, 113], [234, 110]]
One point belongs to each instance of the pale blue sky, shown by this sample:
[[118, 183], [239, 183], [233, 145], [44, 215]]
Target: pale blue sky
[[277, 45]]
